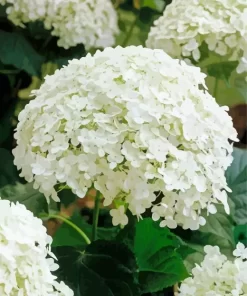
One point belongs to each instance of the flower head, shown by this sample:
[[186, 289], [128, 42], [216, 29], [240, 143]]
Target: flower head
[[217, 276], [89, 22], [186, 25], [132, 122], [25, 256], [21, 12]]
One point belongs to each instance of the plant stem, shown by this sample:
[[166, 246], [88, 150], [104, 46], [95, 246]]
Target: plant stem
[[85, 237], [216, 87], [9, 72], [47, 41], [96, 216], [125, 42]]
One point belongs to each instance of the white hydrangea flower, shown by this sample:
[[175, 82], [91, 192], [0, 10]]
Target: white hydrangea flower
[[130, 121], [24, 11], [217, 276], [25, 255], [186, 25], [93, 23]]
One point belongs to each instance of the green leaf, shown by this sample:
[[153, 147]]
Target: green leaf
[[157, 5], [241, 85], [5, 130], [65, 236], [15, 50], [197, 243], [27, 195], [160, 263], [204, 52], [67, 197], [140, 30], [236, 176], [61, 57], [218, 231], [222, 70], [219, 224], [37, 30], [3, 11], [212, 234], [240, 233], [68, 272], [194, 258], [108, 268], [8, 172], [127, 234]]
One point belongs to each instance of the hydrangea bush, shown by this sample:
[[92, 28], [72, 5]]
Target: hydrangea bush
[[26, 259], [218, 276], [122, 121], [221, 25], [123, 156], [92, 23]]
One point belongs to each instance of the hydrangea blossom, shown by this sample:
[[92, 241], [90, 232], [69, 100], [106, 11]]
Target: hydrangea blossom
[[185, 25], [23, 11], [217, 276], [25, 255], [132, 122], [89, 22]]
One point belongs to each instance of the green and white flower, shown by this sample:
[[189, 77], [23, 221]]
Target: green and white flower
[[26, 259], [131, 122], [186, 25], [93, 23], [218, 276]]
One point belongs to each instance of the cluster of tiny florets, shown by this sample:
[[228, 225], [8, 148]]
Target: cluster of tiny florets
[[135, 124], [186, 25], [25, 255], [218, 276], [89, 22], [21, 12]]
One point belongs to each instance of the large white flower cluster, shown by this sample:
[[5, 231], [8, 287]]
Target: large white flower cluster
[[185, 25], [25, 255], [132, 122], [89, 22], [217, 276]]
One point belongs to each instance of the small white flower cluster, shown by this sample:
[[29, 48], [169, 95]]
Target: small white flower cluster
[[25, 255], [93, 23], [130, 121], [24, 11], [185, 25], [217, 276]]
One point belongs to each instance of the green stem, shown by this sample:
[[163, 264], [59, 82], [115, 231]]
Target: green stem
[[47, 41], [85, 237], [9, 72], [96, 216], [126, 40], [216, 87]]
